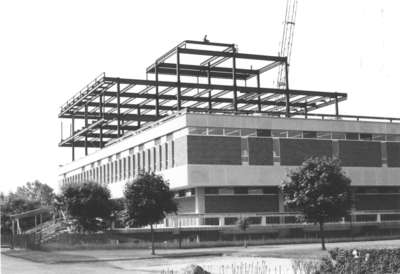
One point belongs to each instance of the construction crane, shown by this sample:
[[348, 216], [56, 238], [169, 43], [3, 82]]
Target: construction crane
[[287, 40]]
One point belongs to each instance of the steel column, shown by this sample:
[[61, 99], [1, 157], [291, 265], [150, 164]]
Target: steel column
[[259, 96], [287, 95], [157, 92], [138, 115], [73, 141], [178, 80], [118, 110], [209, 90], [101, 115], [86, 124], [234, 79], [337, 107]]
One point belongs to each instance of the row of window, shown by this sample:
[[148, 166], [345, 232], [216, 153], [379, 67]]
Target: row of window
[[152, 159], [241, 190], [257, 220], [246, 132], [275, 190]]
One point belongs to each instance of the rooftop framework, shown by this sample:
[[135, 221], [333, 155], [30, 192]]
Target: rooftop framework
[[196, 76]]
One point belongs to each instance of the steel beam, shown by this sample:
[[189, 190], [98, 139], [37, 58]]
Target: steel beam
[[242, 89], [230, 54]]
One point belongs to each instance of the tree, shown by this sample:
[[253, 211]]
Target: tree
[[243, 224], [36, 191], [320, 190], [88, 203], [148, 201]]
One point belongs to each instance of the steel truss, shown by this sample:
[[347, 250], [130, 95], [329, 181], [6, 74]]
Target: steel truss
[[110, 107]]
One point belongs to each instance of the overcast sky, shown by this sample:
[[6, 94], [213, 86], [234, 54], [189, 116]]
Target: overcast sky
[[50, 49]]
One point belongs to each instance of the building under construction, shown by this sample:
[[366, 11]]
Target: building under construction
[[205, 118]]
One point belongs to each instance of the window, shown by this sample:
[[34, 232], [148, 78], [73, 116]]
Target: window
[[255, 190], [279, 133], [324, 135], [230, 220], [211, 190], [352, 136], [276, 148], [160, 157], [129, 166], [393, 138], [166, 155], [215, 131], [148, 160], [240, 190], [254, 220], [112, 172], [232, 131], [309, 134], [378, 137], [198, 130], [263, 132], [294, 134], [272, 219], [248, 132], [270, 190], [133, 165], [245, 151], [172, 154], [154, 159], [211, 221], [366, 136], [338, 135]]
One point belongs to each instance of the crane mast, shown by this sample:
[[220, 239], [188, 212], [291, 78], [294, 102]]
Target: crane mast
[[287, 40]]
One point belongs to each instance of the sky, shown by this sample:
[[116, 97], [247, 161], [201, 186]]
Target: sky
[[50, 49]]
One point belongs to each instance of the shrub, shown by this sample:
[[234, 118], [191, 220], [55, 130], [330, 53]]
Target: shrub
[[362, 261]]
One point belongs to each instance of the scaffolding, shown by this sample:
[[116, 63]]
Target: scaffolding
[[198, 76]]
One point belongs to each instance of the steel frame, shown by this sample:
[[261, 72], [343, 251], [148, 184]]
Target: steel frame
[[112, 106]]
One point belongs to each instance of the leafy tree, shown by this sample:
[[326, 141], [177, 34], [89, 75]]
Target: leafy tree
[[14, 204], [36, 191], [148, 201], [87, 203], [243, 224], [320, 190]]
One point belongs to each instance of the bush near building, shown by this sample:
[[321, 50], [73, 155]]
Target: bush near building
[[88, 203]]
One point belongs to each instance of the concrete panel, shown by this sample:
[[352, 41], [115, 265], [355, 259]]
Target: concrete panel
[[214, 150], [181, 151], [393, 154], [295, 151], [241, 203], [241, 121], [225, 175], [359, 153], [260, 151]]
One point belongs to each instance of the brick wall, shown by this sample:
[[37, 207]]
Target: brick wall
[[214, 150], [295, 151], [359, 153], [260, 151], [241, 203], [393, 154]]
